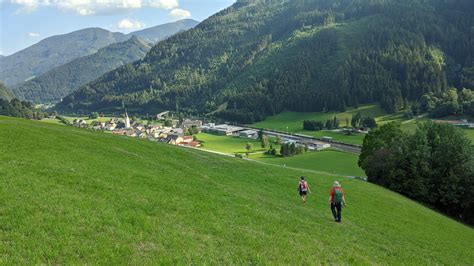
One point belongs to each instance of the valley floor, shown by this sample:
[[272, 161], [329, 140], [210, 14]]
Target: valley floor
[[325, 162], [293, 122]]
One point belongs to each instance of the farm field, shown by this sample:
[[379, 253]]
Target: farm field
[[52, 121], [355, 138], [88, 120], [293, 122], [333, 162], [470, 134], [73, 196], [227, 144]]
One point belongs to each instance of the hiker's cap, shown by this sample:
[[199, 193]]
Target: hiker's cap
[[336, 184]]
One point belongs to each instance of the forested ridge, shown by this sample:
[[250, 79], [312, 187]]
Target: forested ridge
[[11, 106], [62, 80], [5, 93], [54, 51], [262, 57]]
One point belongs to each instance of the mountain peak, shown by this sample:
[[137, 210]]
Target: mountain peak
[[161, 32]]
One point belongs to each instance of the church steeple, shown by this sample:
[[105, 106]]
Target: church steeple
[[127, 120]]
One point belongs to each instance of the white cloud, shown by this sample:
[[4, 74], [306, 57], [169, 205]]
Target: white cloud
[[180, 13], [25, 3], [26, 6], [166, 4], [94, 7], [33, 34], [128, 24]]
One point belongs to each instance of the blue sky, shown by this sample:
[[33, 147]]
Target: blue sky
[[26, 22]]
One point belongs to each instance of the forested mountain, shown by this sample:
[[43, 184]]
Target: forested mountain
[[161, 32], [262, 57], [5, 93], [54, 51], [62, 80]]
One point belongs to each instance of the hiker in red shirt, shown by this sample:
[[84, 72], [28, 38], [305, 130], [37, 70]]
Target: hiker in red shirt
[[336, 199], [303, 189]]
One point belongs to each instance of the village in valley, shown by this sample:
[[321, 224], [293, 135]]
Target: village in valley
[[183, 132], [170, 131]]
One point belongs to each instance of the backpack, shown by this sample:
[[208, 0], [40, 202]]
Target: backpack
[[303, 186], [337, 195]]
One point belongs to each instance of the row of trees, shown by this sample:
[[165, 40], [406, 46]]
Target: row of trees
[[315, 125], [17, 108], [435, 165], [357, 121], [449, 102], [288, 150]]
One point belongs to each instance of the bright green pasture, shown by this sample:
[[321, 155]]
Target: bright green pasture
[[51, 121], [88, 120], [74, 196], [227, 144], [325, 161], [470, 134], [329, 161], [293, 122]]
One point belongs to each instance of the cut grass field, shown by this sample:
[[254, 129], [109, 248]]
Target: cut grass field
[[334, 162], [73, 196], [293, 122], [469, 134], [88, 120], [227, 144]]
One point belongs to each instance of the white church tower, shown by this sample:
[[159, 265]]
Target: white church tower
[[127, 120]]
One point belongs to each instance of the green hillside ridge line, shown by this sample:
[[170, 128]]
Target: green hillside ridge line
[[72, 196], [53, 52], [62, 80], [264, 57]]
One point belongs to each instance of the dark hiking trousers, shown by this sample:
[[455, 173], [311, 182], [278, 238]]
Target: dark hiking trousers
[[336, 209]]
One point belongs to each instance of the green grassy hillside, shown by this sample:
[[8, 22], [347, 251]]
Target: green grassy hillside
[[328, 161], [72, 196]]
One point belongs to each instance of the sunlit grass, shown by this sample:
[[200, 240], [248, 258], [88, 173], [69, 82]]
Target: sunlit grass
[[73, 196]]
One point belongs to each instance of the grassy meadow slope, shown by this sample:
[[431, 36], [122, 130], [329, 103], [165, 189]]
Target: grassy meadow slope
[[324, 162], [327, 161], [70, 195]]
